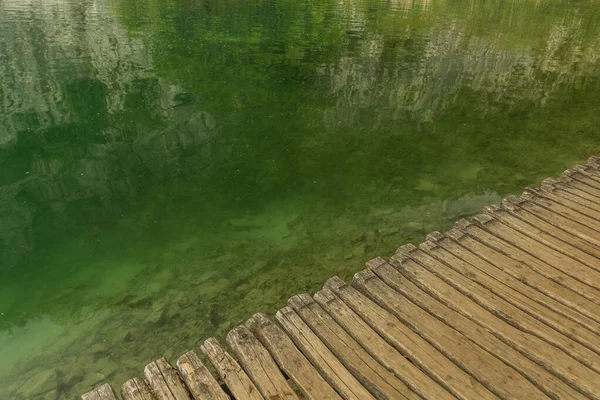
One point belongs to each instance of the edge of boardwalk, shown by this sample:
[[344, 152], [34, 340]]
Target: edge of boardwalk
[[504, 304]]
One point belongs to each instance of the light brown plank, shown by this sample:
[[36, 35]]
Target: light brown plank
[[320, 356], [535, 304], [137, 389], [410, 344], [574, 274], [594, 163], [571, 194], [485, 357], [259, 365], [536, 341], [198, 379], [505, 257], [517, 217], [549, 193], [566, 249], [571, 226], [515, 251], [290, 359], [238, 383], [165, 381], [103, 392], [543, 201], [378, 380], [585, 176], [379, 349], [568, 187]]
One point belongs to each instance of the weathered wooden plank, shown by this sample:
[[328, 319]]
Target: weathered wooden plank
[[378, 380], [593, 162], [572, 195], [500, 254], [103, 392], [535, 304], [238, 383], [485, 357], [576, 275], [549, 193], [536, 341], [290, 359], [319, 355], [566, 249], [379, 349], [137, 389], [259, 365], [583, 175], [571, 226], [568, 187], [198, 379], [410, 344], [165, 381], [533, 225], [517, 253], [560, 209]]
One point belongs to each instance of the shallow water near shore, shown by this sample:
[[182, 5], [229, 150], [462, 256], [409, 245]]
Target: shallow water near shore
[[169, 168]]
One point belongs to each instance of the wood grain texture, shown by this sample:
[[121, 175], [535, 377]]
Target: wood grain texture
[[528, 300], [332, 370], [531, 338], [198, 379], [498, 366], [377, 379], [290, 359], [238, 382], [137, 389], [103, 392], [259, 365], [165, 382], [414, 348], [417, 380]]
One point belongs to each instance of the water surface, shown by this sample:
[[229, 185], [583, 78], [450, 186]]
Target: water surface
[[168, 168]]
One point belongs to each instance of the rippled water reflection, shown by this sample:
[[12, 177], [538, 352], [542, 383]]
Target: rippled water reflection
[[167, 168]]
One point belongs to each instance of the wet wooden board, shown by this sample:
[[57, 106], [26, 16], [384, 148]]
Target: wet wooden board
[[410, 344], [290, 359], [259, 365], [547, 310], [137, 389], [198, 379], [320, 356], [377, 379], [501, 368], [379, 349], [542, 345], [165, 382], [103, 392], [230, 371]]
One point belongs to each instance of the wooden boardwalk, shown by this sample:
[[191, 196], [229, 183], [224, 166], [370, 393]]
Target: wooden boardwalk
[[504, 306]]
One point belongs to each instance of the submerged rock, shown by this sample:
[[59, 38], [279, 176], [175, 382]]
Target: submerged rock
[[388, 231], [41, 383]]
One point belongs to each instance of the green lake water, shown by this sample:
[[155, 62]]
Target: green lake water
[[170, 167]]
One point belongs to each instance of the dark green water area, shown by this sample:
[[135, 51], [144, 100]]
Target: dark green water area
[[170, 167]]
